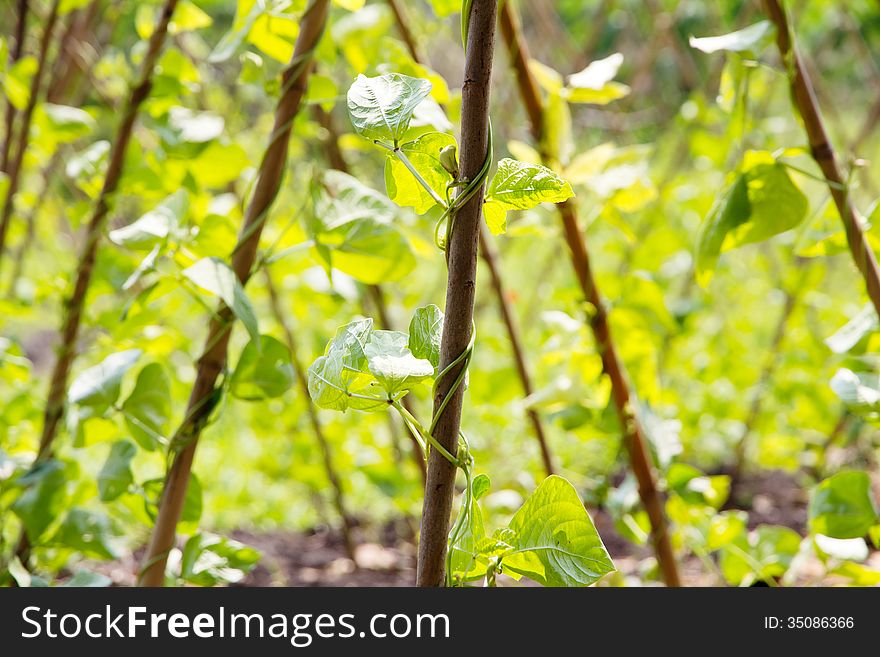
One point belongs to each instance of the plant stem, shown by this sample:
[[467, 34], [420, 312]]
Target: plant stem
[[633, 437], [337, 160], [323, 444], [74, 307], [405, 31], [69, 61], [14, 56], [213, 360], [490, 257], [804, 98], [16, 163], [460, 292]]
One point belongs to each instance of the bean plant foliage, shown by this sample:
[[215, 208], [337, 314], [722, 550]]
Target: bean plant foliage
[[234, 227]]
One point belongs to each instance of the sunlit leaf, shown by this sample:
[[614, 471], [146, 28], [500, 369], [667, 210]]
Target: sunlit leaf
[[147, 411], [214, 276], [382, 107], [750, 40], [555, 541], [842, 506], [425, 332], [98, 386], [264, 370], [115, 476]]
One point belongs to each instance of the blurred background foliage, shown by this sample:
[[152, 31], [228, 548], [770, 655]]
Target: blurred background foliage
[[646, 168]]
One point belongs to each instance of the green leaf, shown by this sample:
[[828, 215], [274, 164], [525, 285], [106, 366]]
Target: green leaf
[[595, 83], [115, 476], [762, 202], [555, 542], [342, 371], [521, 186], [66, 123], [17, 81], [86, 532], [208, 559], [424, 155], [353, 229], [425, 333], [842, 506], [193, 127], [382, 107], [264, 370], [98, 387], [481, 485], [147, 411], [851, 333], [155, 226], [43, 498], [393, 364], [750, 40], [466, 563], [760, 555], [215, 276]]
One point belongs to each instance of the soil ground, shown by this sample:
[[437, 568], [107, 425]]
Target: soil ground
[[319, 558]]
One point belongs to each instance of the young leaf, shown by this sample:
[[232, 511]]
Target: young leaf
[[342, 371], [425, 332], [147, 411], [521, 186], [750, 40], [382, 107], [98, 386], [555, 542], [762, 202], [215, 276], [153, 227], [393, 364], [115, 476], [842, 506], [263, 371], [424, 155]]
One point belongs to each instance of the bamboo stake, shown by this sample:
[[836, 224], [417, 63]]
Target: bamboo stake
[[460, 292], [14, 55], [213, 359], [490, 256], [15, 164], [318, 430], [804, 99], [633, 437], [76, 302]]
